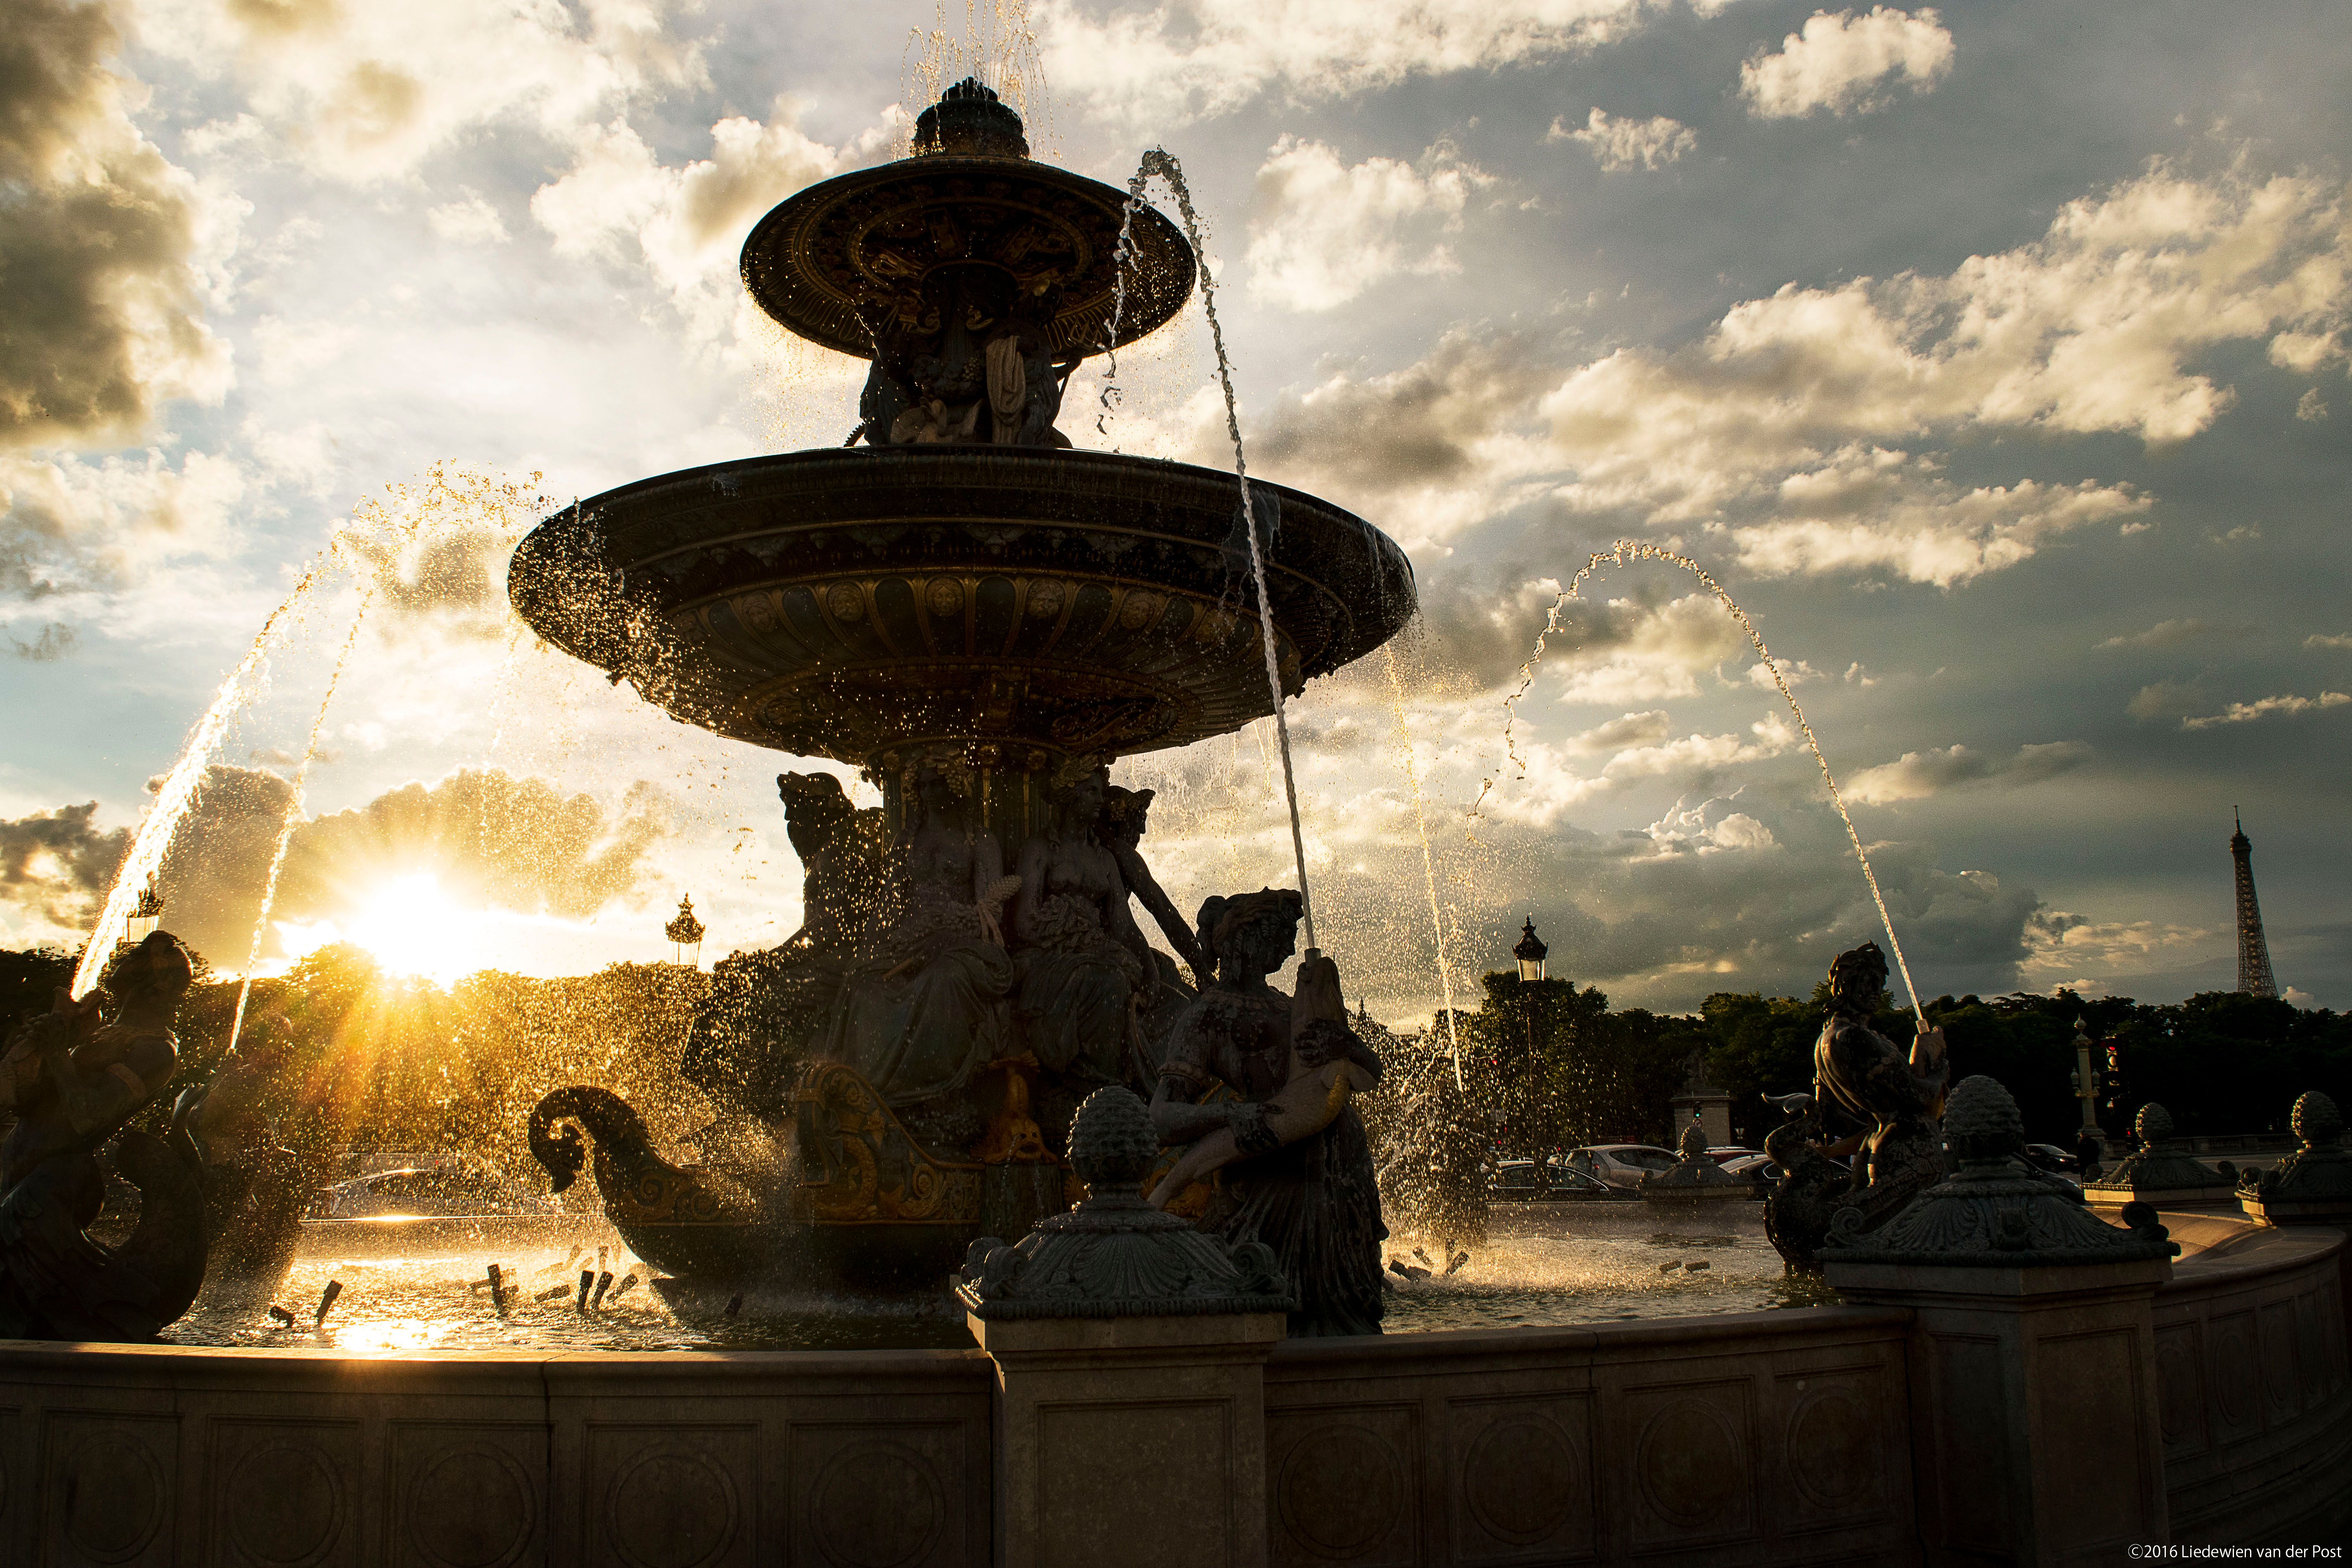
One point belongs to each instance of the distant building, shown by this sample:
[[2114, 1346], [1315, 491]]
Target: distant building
[[2255, 977]]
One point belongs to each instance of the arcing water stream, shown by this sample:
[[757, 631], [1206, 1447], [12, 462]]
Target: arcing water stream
[[1428, 865], [1626, 550], [178, 791], [1161, 162], [293, 815]]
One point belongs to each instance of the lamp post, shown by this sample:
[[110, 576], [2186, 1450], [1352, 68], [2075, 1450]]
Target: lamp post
[[2086, 1086], [685, 935]]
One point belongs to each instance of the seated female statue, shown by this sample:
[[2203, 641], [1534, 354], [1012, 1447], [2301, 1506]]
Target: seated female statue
[[935, 1013], [1314, 1202], [1081, 960]]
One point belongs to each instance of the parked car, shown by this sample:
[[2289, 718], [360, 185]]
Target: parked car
[[1759, 1168], [1725, 1154], [1554, 1182], [1621, 1165], [2050, 1158]]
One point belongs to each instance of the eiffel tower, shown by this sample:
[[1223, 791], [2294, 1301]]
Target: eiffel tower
[[2253, 954]]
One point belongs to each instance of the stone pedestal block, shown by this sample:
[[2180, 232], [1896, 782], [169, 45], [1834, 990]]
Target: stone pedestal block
[[2311, 1187], [1140, 1441], [2036, 1433]]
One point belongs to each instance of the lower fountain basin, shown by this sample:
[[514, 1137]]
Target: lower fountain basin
[[842, 603]]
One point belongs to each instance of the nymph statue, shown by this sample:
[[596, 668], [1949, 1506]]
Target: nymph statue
[[1313, 1201], [749, 1035], [1897, 1093], [74, 1081], [929, 1008], [1082, 963]]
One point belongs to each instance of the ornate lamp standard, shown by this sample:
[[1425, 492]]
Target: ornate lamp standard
[[685, 935]]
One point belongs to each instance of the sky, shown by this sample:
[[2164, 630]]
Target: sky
[[1994, 358]]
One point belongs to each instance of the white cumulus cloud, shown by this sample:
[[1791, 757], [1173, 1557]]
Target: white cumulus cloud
[[1619, 144], [1848, 64], [1321, 231], [1918, 775], [2263, 706]]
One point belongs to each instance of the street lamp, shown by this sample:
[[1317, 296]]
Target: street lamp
[[145, 917], [1531, 953], [2087, 1086], [685, 935]]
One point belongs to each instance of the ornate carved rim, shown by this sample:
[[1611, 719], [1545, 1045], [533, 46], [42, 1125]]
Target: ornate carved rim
[[685, 584], [809, 263]]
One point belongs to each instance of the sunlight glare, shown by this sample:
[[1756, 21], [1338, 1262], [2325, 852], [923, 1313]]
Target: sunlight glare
[[412, 927]]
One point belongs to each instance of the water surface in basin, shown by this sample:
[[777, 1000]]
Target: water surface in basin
[[1542, 1264]]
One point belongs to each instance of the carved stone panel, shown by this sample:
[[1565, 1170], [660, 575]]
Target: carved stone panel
[[1692, 1463], [1343, 1486], [2282, 1381], [1087, 1454], [1520, 1478], [2081, 1381], [467, 1494], [670, 1496], [282, 1494], [2180, 1387], [1970, 1467], [896, 1496], [1837, 1427], [2234, 1372], [107, 1488]]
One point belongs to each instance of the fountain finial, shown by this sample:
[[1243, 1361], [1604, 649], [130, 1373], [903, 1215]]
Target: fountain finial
[[969, 118]]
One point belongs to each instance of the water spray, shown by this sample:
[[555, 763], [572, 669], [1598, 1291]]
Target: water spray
[[1619, 553], [1161, 162], [293, 815]]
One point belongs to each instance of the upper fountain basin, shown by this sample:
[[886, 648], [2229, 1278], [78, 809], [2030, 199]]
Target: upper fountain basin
[[841, 603]]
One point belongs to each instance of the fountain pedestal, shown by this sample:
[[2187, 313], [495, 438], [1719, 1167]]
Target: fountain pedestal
[[1130, 1349], [2036, 1433], [1131, 1440]]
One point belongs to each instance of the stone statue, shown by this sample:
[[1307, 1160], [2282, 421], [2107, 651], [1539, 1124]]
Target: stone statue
[[74, 1082], [1081, 960], [930, 1008], [1126, 815], [1314, 1201], [256, 1188], [749, 1037], [1899, 1094]]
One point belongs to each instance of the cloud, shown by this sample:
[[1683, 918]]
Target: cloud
[[1848, 64], [1620, 145], [1193, 59], [1702, 757], [1916, 775], [469, 220], [2329, 640], [2311, 408], [1323, 231], [53, 642], [2262, 708], [2172, 633], [2062, 943], [1424, 452], [70, 524], [56, 865], [1623, 652], [1632, 730], [103, 242], [365, 94], [491, 837], [1789, 422], [2164, 700], [686, 223], [434, 553]]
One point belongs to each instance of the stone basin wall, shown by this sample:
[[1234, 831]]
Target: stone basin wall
[[1760, 1439]]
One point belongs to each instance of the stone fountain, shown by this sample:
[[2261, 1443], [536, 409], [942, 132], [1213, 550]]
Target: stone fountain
[[978, 618]]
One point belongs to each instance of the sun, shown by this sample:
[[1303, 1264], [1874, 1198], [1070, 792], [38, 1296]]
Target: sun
[[412, 927]]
